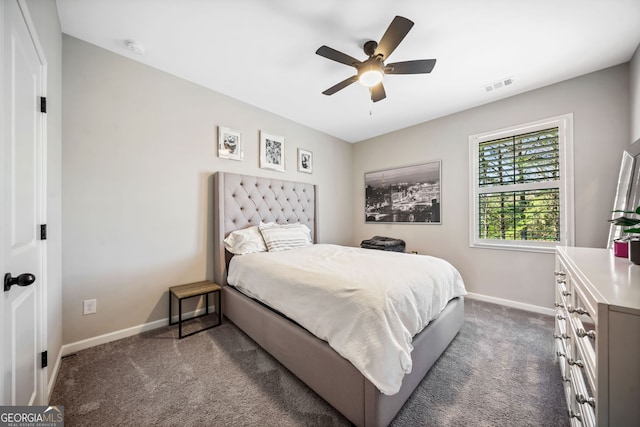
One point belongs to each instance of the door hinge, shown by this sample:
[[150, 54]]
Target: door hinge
[[43, 232], [43, 359], [43, 104]]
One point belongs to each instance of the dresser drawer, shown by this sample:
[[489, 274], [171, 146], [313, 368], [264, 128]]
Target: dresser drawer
[[582, 404], [583, 331]]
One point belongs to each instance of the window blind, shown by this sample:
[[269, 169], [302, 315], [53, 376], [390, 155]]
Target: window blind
[[518, 197]]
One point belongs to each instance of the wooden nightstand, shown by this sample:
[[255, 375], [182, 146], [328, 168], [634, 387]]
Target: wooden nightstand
[[191, 290]]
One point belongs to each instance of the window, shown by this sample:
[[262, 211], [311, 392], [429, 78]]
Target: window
[[522, 186]]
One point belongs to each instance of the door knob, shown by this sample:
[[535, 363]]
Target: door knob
[[25, 279]]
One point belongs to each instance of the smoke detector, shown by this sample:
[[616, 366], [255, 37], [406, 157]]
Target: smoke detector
[[135, 47]]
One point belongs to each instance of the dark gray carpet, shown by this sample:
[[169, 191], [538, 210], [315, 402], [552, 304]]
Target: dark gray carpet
[[499, 371]]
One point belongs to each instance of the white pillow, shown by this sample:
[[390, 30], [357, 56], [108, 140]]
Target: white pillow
[[285, 237], [245, 241]]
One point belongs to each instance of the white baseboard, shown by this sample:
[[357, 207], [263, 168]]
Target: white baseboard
[[125, 333], [513, 304], [134, 330], [112, 336]]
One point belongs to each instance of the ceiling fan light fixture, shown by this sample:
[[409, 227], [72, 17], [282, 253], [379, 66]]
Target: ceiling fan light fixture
[[370, 76]]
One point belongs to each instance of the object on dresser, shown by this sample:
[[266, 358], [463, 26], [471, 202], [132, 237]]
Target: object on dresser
[[621, 248], [632, 221], [384, 244]]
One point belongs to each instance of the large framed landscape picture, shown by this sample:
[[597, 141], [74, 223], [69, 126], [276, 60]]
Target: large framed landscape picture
[[409, 194]]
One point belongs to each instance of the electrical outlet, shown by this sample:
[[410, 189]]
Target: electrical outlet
[[90, 306]]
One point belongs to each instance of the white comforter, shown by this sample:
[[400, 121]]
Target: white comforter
[[366, 304]]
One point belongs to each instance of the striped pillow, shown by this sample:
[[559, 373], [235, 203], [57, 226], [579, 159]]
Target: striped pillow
[[285, 237]]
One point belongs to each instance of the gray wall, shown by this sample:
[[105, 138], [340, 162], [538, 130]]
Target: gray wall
[[600, 106], [139, 151], [45, 18], [140, 148]]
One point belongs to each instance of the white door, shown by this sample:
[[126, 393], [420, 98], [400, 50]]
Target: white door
[[23, 148]]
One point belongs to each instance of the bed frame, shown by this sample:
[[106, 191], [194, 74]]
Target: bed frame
[[241, 201]]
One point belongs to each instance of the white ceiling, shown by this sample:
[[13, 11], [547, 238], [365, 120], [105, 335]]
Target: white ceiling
[[263, 52]]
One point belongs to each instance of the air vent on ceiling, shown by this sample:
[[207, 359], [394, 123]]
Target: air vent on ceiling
[[499, 84]]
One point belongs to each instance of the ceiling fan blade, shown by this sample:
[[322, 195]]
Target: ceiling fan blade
[[377, 92], [346, 82], [420, 66], [396, 32], [337, 56]]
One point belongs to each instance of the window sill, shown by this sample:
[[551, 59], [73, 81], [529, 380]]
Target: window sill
[[549, 249]]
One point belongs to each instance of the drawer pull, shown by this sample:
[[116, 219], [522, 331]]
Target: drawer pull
[[582, 333], [561, 281], [560, 354], [585, 400], [565, 293], [559, 304], [578, 310], [560, 317], [575, 415], [577, 362], [561, 337], [559, 273]]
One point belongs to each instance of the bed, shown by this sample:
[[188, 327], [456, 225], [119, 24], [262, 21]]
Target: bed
[[241, 201]]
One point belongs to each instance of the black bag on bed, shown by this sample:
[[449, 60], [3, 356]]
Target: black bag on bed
[[384, 244]]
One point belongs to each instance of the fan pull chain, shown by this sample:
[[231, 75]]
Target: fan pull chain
[[370, 105]]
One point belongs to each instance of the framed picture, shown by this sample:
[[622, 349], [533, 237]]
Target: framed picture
[[271, 151], [229, 143], [409, 194], [305, 161]]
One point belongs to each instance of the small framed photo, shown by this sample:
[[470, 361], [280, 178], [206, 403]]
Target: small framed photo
[[271, 151], [229, 143], [305, 161]]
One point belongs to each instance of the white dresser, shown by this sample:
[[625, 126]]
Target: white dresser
[[597, 336]]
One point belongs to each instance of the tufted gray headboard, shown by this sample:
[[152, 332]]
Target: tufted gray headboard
[[243, 200]]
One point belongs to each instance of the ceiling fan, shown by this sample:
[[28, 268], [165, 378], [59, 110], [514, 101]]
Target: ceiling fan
[[371, 71]]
